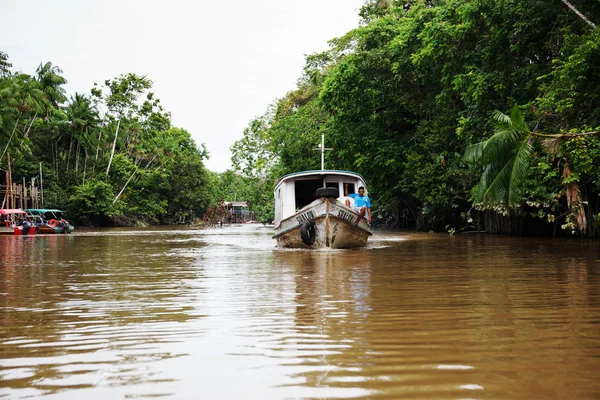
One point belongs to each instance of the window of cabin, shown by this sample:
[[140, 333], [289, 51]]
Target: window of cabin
[[333, 185], [305, 191], [351, 188]]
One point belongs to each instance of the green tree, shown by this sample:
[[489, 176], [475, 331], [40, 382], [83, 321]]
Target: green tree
[[83, 119], [155, 173], [401, 97], [5, 66], [120, 96]]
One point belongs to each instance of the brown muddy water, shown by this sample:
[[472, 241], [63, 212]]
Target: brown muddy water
[[220, 313]]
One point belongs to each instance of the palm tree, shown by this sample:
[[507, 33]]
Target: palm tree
[[506, 156], [22, 97], [49, 77], [83, 116]]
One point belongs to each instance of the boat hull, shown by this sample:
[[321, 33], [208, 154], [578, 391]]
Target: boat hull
[[334, 224], [17, 230], [46, 229]]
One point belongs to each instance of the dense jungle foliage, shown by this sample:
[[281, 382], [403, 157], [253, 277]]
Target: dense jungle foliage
[[111, 157], [461, 114]]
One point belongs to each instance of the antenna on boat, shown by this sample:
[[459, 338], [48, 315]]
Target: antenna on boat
[[322, 149]]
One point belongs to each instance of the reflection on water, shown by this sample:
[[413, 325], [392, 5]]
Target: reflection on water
[[221, 313]]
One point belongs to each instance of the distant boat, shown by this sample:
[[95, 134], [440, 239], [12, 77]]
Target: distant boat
[[50, 220], [311, 213], [16, 222]]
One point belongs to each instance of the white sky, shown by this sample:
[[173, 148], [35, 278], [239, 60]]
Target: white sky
[[215, 64]]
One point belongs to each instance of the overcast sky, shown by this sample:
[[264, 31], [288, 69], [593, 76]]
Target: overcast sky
[[215, 64]]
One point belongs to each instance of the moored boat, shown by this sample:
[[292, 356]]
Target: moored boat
[[311, 213], [50, 221], [16, 222]]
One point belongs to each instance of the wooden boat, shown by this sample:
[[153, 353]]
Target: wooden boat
[[311, 213], [50, 221], [16, 222]]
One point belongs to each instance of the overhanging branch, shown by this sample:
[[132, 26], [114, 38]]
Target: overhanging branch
[[565, 135], [576, 11]]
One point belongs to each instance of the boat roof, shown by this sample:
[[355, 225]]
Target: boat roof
[[42, 210], [7, 211], [319, 172]]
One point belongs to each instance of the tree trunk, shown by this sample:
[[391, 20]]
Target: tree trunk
[[56, 158], [112, 153], [26, 134], [69, 155], [576, 11], [126, 183], [30, 125], [98, 144], [84, 165], [77, 151], [11, 135]]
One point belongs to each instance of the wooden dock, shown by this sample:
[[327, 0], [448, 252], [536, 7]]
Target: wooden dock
[[17, 195]]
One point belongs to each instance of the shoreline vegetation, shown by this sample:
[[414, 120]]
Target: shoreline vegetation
[[463, 116]]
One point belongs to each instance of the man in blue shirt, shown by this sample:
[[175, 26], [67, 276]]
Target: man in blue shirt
[[362, 204]]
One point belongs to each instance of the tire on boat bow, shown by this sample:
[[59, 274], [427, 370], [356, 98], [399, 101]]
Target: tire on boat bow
[[308, 233], [327, 192]]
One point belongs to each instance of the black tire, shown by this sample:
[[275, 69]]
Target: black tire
[[308, 233], [327, 192]]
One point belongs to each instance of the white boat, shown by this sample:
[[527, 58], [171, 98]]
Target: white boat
[[311, 211]]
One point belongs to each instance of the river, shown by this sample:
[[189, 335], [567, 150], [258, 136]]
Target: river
[[220, 313]]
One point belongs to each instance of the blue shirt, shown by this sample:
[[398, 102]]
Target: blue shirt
[[360, 201]]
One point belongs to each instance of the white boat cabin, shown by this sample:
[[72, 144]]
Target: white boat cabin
[[295, 191]]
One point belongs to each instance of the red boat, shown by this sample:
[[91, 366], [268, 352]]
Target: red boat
[[16, 222]]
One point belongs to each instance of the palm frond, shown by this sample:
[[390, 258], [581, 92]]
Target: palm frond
[[474, 153], [497, 189], [486, 177], [518, 120], [500, 117], [500, 146], [518, 173]]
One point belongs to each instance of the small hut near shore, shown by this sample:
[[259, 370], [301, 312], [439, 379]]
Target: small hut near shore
[[239, 212]]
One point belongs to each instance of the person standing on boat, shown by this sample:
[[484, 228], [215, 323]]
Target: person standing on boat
[[362, 203]]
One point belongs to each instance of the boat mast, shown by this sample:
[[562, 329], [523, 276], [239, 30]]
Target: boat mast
[[322, 149]]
